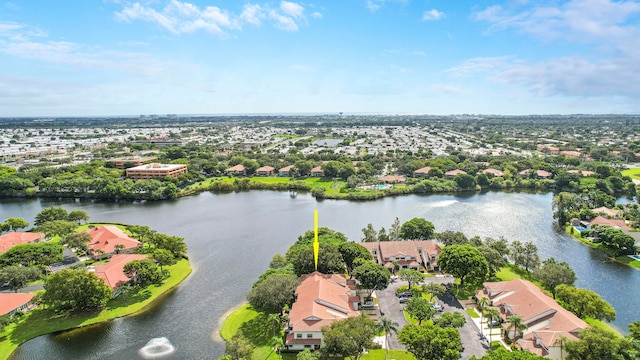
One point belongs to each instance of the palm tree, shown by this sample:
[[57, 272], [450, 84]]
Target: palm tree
[[562, 342], [483, 303], [492, 314], [388, 326], [516, 324], [276, 323]]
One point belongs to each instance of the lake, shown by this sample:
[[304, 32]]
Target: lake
[[232, 238]]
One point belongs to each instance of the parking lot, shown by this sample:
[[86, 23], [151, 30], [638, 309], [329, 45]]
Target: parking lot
[[393, 309]]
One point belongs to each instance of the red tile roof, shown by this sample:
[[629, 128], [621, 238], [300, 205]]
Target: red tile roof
[[265, 169], [385, 250], [12, 301], [236, 168], [455, 172], [494, 172], [106, 237], [321, 300], [7, 241], [286, 168], [112, 272], [392, 179], [599, 220], [424, 170]]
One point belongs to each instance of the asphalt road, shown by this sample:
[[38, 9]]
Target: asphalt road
[[469, 333]]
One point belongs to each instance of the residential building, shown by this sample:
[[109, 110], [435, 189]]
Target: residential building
[[265, 171], [537, 174], [546, 320], [492, 172], [113, 271], [619, 223], [584, 173], [418, 254], [570, 154], [9, 240], [317, 172], [237, 170], [12, 302], [156, 171], [453, 173], [422, 172], [610, 213], [321, 299], [393, 179], [109, 240], [286, 171]]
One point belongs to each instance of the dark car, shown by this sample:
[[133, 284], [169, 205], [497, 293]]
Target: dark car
[[493, 323], [405, 294], [404, 299]]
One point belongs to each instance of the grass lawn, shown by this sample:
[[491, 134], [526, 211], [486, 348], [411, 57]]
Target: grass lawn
[[379, 354], [633, 172], [472, 313], [602, 325], [40, 321], [629, 261], [256, 328], [234, 321]]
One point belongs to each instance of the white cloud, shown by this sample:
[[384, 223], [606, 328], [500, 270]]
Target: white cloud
[[448, 89], [316, 15], [180, 17], [432, 15], [477, 65]]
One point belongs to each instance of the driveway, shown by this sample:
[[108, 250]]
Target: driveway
[[469, 333]]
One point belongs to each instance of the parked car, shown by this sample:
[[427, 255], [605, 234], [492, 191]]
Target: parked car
[[5, 284], [367, 305], [404, 299], [405, 294], [493, 323], [437, 307]]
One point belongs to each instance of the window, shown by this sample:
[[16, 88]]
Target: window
[[309, 336], [298, 336]]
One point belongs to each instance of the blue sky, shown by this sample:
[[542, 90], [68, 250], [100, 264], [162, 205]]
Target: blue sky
[[120, 57]]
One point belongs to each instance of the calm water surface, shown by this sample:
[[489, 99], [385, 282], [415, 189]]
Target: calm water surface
[[232, 237]]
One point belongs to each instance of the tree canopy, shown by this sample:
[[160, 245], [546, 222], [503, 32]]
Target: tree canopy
[[584, 303], [417, 229], [19, 276], [431, 342], [464, 262], [553, 273], [75, 290], [372, 276], [273, 293], [349, 337], [351, 251]]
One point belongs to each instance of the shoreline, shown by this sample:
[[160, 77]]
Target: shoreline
[[8, 346], [569, 231]]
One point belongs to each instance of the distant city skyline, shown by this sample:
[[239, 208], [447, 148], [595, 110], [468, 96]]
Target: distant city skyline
[[511, 57]]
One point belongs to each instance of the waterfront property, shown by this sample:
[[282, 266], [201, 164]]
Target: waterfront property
[[109, 240], [10, 303], [237, 170], [449, 175], [393, 179], [320, 300], [7, 241], [317, 172], [265, 171], [113, 271], [419, 254], [286, 171], [422, 172], [156, 171], [131, 161], [492, 172], [546, 320], [609, 213]]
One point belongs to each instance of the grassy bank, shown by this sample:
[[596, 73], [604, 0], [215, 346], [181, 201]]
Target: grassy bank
[[41, 321], [633, 173]]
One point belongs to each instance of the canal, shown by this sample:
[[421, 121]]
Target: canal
[[232, 237]]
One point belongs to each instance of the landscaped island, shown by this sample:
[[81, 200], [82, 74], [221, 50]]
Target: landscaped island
[[89, 273]]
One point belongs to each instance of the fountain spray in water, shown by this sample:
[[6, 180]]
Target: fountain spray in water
[[157, 348]]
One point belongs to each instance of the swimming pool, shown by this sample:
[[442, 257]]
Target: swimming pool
[[635, 257]]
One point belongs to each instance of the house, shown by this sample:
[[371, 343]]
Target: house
[[492, 172], [286, 171], [317, 172], [12, 302], [408, 254], [537, 174], [156, 171], [610, 213], [449, 175], [108, 240], [393, 179], [265, 171], [570, 154], [237, 170], [131, 161], [113, 271], [422, 172], [619, 223], [546, 320], [583, 173], [321, 299], [9, 240]]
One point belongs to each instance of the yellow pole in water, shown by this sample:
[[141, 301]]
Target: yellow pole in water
[[316, 244]]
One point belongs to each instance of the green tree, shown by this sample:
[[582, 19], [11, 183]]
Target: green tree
[[372, 276], [530, 258], [78, 216], [16, 223], [465, 181], [75, 290], [565, 206], [494, 259], [584, 303], [483, 304], [413, 277], [450, 319], [431, 342], [596, 344], [50, 214], [349, 337], [306, 354], [504, 354], [395, 230], [351, 251], [272, 294], [78, 240], [420, 308], [38, 254], [174, 244], [369, 233], [464, 262], [60, 228], [434, 289], [388, 326], [329, 260], [239, 347], [493, 314], [516, 325], [163, 257], [19, 276], [143, 272], [553, 273], [417, 229], [449, 237], [278, 261]]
